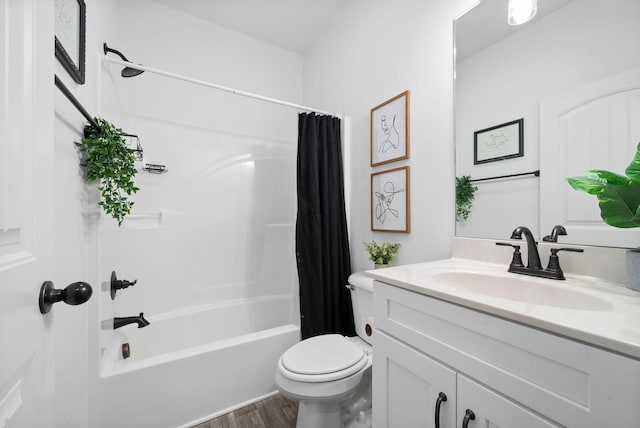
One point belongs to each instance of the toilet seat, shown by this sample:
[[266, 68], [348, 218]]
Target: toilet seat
[[322, 358]]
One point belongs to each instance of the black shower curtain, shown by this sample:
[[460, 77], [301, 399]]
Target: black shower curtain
[[322, 244]]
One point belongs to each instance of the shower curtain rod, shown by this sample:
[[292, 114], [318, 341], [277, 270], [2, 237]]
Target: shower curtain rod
[[219, 87]]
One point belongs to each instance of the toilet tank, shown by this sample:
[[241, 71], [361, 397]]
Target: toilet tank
[[362, 301]]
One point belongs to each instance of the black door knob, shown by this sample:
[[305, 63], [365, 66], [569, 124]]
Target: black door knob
[[74, 294]]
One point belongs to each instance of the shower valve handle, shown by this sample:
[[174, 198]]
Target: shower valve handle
[[119, 284]]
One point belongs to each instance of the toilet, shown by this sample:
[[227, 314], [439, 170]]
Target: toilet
[[330, 375]]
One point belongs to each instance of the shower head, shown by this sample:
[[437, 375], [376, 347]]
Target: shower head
[[127, 71]]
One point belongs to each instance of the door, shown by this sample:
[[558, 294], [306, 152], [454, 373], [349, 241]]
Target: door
[[591, 127], [492, 410], [26, 157], [407, 386]]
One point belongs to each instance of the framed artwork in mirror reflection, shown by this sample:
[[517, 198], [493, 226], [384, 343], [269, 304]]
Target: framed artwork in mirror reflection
[[390, 200], [500, 142], [390, 130]]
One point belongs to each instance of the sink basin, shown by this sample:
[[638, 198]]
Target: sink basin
[[524, 290]]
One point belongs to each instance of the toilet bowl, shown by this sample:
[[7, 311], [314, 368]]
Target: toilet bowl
[[330, 375]]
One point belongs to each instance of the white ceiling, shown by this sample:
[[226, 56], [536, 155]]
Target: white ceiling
[[290, 24], [486, 23]]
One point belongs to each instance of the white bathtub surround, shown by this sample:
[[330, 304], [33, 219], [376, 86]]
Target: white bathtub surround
[[199, 365]]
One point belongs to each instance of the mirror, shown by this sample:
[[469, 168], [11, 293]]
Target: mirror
[[549, 72]]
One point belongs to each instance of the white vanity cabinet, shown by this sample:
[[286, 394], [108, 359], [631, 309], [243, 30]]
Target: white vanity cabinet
[[508, 374], [411, 388]]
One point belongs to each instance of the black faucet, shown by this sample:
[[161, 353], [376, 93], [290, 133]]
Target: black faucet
[[532, 246], [120, 322], [534, 267]]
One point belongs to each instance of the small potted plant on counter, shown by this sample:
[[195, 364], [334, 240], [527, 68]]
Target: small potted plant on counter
[[381, 254]]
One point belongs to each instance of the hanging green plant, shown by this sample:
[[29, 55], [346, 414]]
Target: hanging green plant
[[106, 158], [465, 192]]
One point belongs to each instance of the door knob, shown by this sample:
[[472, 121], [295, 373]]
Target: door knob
[[74, 294]]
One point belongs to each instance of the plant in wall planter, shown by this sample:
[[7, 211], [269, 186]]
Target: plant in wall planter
[[619, 201], [381, 254], [107, 160], [465, 192]]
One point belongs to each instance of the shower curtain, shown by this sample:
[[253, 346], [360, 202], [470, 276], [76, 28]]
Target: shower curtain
[[322, 244]]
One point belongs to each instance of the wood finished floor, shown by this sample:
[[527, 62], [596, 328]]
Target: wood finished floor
[[274, 412]]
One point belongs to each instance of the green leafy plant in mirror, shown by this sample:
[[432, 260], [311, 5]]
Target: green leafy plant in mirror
[[106, 159], [465, 192], [381, 254], [618, 195]]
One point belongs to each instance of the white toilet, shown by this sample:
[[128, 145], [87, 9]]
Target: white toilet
[[330, 375]]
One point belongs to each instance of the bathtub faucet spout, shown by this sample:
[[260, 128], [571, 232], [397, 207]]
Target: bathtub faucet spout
[[120, 322]]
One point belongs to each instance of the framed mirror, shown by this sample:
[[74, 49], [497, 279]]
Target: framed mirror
[[560, 74]]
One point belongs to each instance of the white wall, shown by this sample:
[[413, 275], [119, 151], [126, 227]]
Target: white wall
[[73, 228], [373, 51], [585, 41]]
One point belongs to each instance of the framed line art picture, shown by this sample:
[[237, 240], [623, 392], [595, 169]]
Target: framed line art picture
[[500, 142], [390, 198], [390, 130], [69, 37]]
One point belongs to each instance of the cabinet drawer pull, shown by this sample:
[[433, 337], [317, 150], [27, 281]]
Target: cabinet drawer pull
[[441, 398], [468, 416]]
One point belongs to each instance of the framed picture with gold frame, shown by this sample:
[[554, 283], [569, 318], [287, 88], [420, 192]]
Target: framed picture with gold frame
[[390, 198], [390, 130]]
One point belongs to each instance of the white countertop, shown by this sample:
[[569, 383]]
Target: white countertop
[[609, 317]]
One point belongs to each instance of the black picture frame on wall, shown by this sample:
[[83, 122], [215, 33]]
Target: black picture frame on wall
[[70, 23], [500, 142]]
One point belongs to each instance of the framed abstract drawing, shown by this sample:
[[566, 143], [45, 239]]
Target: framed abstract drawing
[[390, 206], [390, 130]]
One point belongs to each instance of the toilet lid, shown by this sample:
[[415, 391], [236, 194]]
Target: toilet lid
[[323, 354]]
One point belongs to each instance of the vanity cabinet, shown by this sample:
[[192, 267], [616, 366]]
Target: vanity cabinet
[[412, 386], [508, 374]]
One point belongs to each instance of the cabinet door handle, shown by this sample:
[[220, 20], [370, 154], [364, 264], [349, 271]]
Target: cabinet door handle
[[441, 398], [468, 416]]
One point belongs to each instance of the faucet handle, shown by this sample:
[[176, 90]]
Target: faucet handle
[[119, 284], [554, 251], [554, 261], [517, 255], [558, 230]]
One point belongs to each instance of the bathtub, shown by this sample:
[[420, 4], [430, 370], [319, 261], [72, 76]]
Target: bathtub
[[190, 366]]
